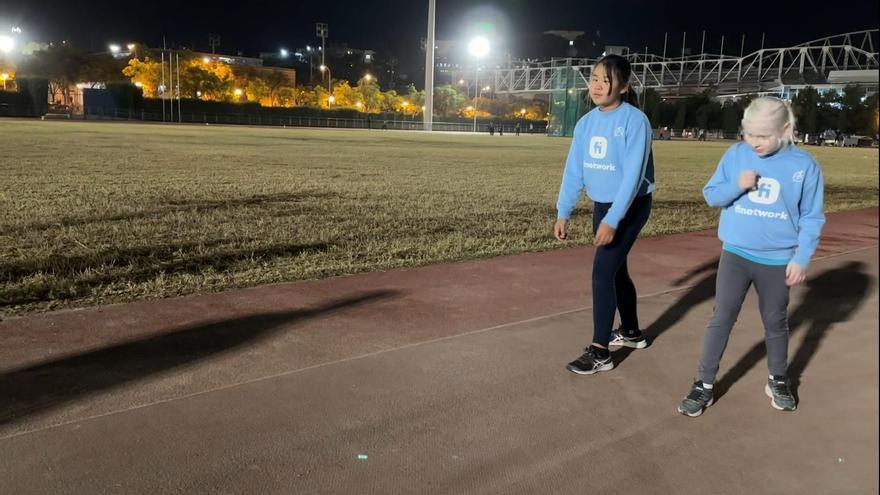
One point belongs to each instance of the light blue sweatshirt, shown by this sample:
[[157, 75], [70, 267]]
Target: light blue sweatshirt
[[611, 157], [779, 222]]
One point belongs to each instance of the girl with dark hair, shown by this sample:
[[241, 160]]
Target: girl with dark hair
[[611, 158]]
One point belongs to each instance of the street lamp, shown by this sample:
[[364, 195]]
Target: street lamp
[[114, 49], [284, 53], [238, 93], [478, 48], [368, 77], [324, 68], [4, 76]]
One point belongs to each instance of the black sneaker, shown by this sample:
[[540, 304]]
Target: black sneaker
[[590, 363], [696, 401], [779, 391], [628, 338]]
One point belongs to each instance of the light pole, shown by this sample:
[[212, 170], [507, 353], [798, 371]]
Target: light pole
[[428, 114], [478, 48], [309, 49], [329, 82]]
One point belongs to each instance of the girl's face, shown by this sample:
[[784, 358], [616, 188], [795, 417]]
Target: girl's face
[[602, 92], [763, 136]]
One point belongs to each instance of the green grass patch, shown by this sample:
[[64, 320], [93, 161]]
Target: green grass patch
[[96, 213]]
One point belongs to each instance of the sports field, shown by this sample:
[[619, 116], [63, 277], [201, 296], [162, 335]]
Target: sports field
[[96, 213]]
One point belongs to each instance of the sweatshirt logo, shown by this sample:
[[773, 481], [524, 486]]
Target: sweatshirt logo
[[598, 147], [798, 176], [767, 192], [619, 132]]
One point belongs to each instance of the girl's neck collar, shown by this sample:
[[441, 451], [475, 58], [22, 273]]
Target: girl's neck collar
[[612, 108]]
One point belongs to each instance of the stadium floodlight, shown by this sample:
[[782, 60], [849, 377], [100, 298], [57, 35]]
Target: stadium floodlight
[[479, 47], [7, 44]]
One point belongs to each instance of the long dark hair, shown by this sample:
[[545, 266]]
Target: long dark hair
[[617, 67]]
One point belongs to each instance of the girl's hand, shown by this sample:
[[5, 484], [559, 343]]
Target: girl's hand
[[604, 235], [748, 180], [794, 274], [560, 228]]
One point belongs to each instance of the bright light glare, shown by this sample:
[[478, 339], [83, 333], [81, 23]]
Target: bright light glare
[[6, 44], [479, 47]]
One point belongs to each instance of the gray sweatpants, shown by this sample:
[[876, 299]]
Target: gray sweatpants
[[735, 275]]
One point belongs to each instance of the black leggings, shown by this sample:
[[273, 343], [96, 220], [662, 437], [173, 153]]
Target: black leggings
[[613, 290]]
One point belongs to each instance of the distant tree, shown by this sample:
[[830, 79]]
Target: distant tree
[[61, 65], [147, 73]]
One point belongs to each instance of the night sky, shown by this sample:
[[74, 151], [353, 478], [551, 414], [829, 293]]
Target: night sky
[[396, 26]]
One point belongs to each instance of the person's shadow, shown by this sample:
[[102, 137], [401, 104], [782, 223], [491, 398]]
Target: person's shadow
[[703, 290], [44, 386], [832, 297]]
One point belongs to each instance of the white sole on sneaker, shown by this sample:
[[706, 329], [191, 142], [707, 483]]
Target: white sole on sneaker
[[604, 367], [700, 412], [773, 401], [632, 345]]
